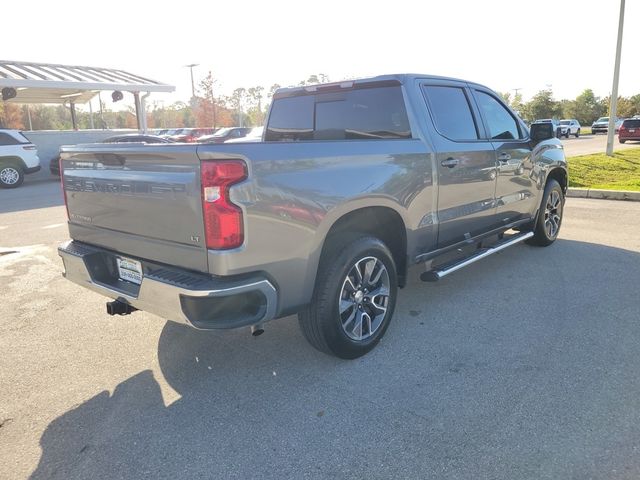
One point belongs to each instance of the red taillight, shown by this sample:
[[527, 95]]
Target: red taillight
[[64, 192], [223, 223]]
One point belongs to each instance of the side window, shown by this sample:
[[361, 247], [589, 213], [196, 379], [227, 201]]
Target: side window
[[451, 112], [291, 118], [500, 122], [6, 139], [368, 113]]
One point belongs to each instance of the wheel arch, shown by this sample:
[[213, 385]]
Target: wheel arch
[[381, 221], [559, 175], [13, 160]]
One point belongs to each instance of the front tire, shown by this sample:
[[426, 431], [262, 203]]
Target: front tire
[[621, 141], [549, 219], [11, 176], [354, 297]]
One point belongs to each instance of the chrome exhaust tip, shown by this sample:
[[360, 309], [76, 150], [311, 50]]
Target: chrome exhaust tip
[[257, 330]]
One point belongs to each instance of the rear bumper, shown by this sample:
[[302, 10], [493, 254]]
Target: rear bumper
[[200, 300]]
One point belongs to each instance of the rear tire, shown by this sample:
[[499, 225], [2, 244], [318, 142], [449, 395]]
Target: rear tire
[[354, 297], [621, 141], [11, 175], [578, 133], [549, 218]]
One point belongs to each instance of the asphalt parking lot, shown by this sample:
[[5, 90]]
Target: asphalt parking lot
[[525, 365], [586, 144]]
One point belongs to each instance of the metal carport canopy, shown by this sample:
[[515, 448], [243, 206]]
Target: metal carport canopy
[[54, 83]]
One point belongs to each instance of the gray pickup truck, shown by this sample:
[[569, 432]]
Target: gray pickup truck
[[352, 184]]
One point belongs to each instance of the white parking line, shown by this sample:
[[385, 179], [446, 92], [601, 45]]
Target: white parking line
[[55, 225]]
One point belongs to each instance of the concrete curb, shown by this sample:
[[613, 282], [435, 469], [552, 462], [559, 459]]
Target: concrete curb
[[604, 194]]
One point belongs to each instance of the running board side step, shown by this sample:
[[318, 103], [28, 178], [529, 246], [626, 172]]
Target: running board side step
[[435, 275]]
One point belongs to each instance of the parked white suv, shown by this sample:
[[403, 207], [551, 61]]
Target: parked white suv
[[18, 157], [570, 126]]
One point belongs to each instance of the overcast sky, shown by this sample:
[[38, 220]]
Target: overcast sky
[[503, 44]]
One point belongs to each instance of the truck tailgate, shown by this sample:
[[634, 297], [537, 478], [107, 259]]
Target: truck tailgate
[[139, 200]]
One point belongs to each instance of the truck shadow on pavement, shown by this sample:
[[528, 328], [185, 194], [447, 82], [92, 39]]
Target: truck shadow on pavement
[[515, 368]]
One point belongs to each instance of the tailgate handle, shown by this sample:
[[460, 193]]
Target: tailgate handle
[[110, 158]]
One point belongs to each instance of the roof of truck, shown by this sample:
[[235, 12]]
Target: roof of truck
[[400, 78]]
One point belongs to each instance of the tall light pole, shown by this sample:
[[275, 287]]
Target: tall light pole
[[193, 87], [613, 101]]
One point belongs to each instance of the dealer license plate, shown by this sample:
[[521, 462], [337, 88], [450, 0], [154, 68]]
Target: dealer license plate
[[129, 270]]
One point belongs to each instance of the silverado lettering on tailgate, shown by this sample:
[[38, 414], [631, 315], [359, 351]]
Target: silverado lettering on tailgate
[[138, 189]]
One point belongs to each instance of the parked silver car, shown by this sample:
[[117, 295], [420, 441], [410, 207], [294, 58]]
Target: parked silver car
[[570, 126], [601, 125]]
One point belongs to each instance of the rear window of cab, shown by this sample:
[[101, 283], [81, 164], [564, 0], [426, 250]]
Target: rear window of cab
[[357, 114]]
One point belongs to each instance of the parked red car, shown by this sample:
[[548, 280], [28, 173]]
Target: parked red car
[[190, 134], [629, 130]]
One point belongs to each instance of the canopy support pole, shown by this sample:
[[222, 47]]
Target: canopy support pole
[[143, 111], [29, 116], [91, 114], [103, 125], [74, 119], [136, 97]]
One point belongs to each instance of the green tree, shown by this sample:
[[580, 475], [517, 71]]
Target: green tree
[[315, 78], [626, 107], [255, 112], [506, 97], [273, 89], [635, 100], [11, 116], [208, 104], [542, 105], [236, 102], [270, 95], [565, 108], [516, 103], [585, 108]]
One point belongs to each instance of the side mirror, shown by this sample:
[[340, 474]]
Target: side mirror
[[541, 131]]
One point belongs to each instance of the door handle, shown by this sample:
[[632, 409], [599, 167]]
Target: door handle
[[504, 157], [449, 162]]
